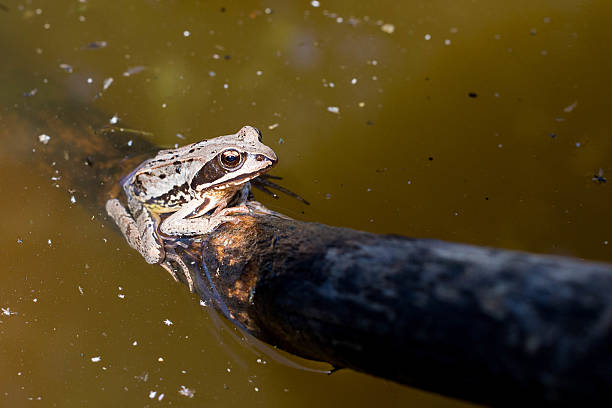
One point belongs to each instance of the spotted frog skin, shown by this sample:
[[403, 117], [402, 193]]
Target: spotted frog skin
[[193, 186]]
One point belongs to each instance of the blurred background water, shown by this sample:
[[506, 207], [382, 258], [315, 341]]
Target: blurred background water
[[484, 122]]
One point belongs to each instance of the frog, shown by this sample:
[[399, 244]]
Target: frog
[[187, 191]]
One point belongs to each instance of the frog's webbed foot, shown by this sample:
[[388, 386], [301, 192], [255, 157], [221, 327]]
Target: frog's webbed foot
[[172, 260]]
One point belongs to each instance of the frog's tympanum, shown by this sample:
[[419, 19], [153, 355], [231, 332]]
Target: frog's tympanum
[[194, 185]]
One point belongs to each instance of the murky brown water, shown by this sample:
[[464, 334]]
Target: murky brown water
[[474, 121]]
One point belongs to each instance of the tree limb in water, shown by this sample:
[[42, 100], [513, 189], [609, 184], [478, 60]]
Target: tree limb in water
[[482, 324]]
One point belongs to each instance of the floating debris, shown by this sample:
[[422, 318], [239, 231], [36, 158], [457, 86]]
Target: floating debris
[[7, 311], [96, 44], [96, 359], [114, 120], [315, 3], [134, 70], [66, 68], [107, 83], [273, 126], [571, 107], [168, 322], [599, 177], [31, 92], [333, 109], [186, 392], [388, 28], [44, 139]]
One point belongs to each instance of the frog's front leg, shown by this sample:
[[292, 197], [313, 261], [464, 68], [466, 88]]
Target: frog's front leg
[[188, 222], [138, 228]]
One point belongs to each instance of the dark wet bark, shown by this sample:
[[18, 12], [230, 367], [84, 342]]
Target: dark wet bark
[[482, 324]]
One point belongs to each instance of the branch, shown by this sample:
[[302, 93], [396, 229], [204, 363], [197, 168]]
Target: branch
[[487, 325]]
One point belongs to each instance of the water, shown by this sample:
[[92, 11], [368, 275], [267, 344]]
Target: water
[[476, 122]]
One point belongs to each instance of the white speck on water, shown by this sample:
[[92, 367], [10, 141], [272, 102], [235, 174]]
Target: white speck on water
[[107, 83], [268, 10], [114, 120], [361, 104], [72, 199], [225, 86], [281, 140], [130, 143], [577, 144], [353, 81], [211, 73], [229, 370], [339, 20], [82, 19], [180, 136], [80, 290], [161, 397], [453, 30], [35, 300], [186, 392], [259, 73], [134, 70], [121, 296], [96, 359], [427, 37], [44, 139], [49, 242], [544, 52], [333, 109], [186, 33], [500, 145], [605, 242], [160, 359], [256, 389], [168, 322], [152, 394], [315, 3], [7, 311], [164, 105], [19, 241], [546, 20], [388, 28], [135, 343], [447, 42], [216, 56], [47, 26], [570, 107], [409, 182], [273, 126]]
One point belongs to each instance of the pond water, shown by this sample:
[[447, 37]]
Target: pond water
[[484, 122]]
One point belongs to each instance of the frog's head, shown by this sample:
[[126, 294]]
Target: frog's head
[[233, 160]]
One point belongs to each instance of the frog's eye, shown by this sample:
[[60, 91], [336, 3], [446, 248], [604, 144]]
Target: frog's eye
[[230, 159]]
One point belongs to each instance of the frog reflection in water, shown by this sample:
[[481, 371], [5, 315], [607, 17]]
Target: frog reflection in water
[[194, 184]]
